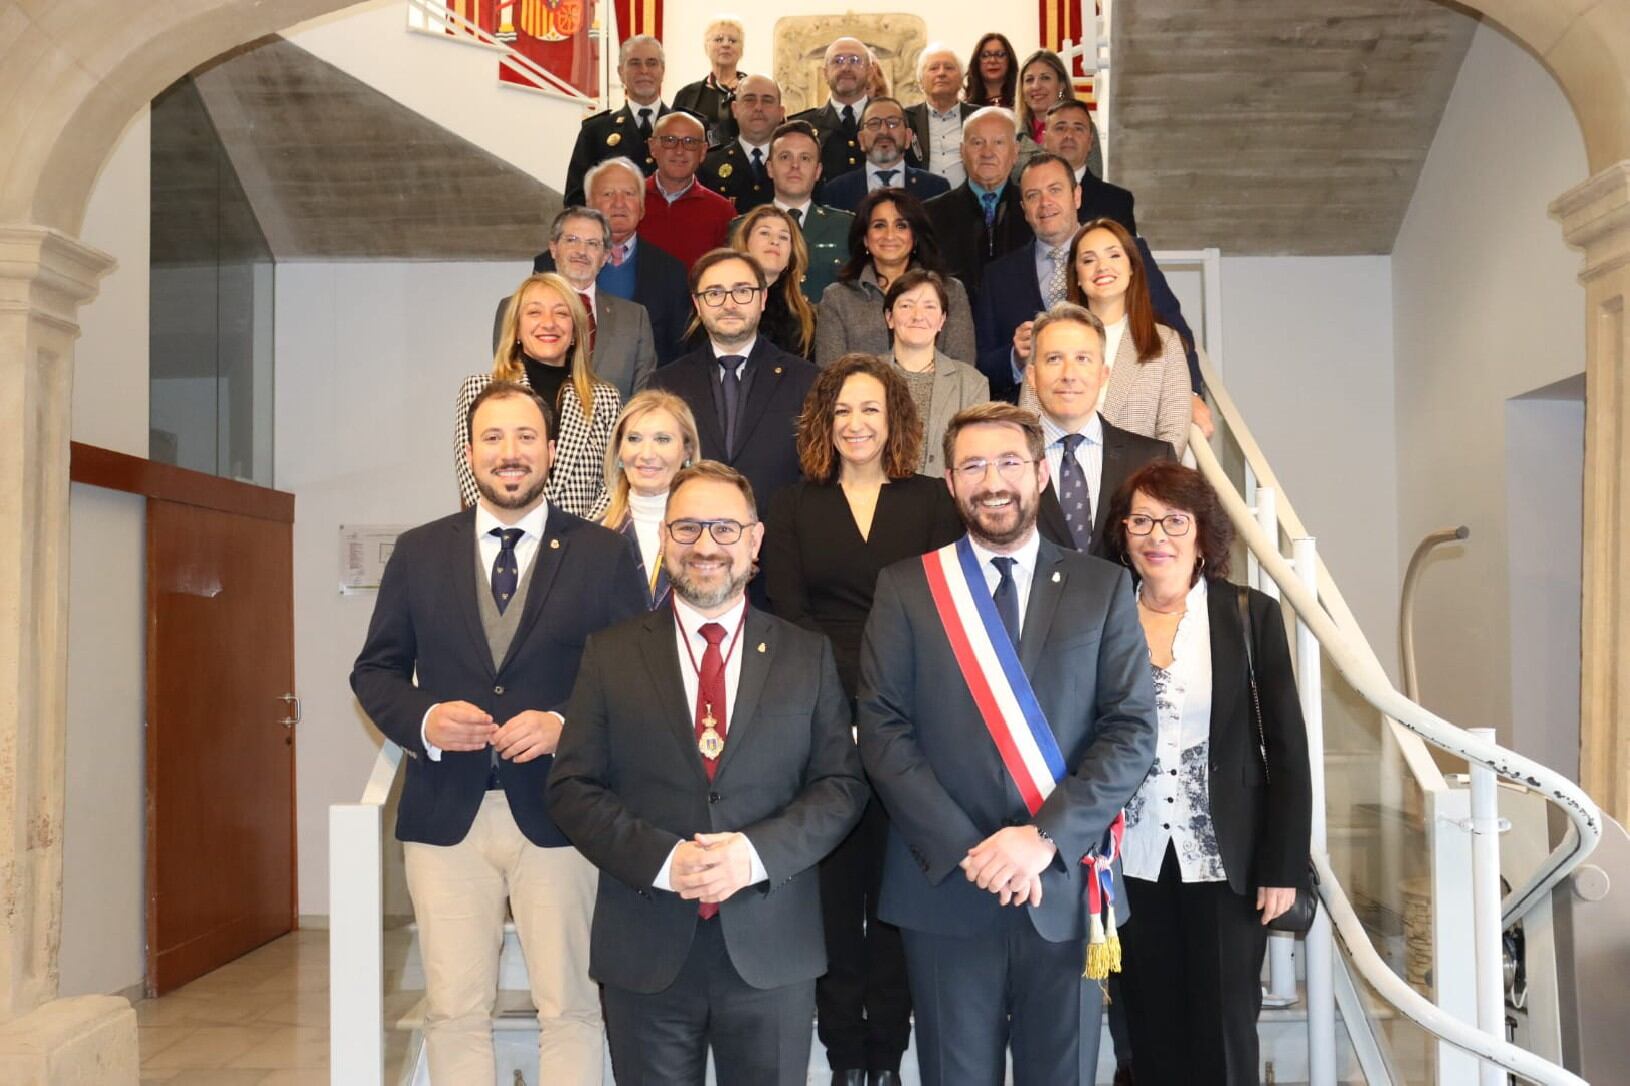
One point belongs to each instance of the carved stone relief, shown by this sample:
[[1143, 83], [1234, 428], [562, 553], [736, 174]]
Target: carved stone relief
[[800, 49]]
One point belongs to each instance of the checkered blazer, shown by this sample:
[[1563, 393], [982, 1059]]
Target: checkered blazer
[[577, 483], [1151, 398]]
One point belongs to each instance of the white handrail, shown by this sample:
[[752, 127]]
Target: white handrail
[[1370, 681]]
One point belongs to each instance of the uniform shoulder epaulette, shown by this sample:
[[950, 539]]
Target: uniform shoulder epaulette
[[596, 116]]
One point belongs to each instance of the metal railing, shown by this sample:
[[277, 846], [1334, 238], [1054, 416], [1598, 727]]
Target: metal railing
[[1322, 616]]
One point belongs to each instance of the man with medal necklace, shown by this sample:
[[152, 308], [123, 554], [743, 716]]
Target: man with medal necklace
[[708, 769]]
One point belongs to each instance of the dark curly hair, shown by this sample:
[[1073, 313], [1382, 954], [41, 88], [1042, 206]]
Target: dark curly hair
[[1183, 488], [902, 451]]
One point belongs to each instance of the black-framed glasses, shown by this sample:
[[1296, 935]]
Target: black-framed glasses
[[724, 531], [993, 54], [877, 124], [741, 294], [1010, 468], [689, 143], [1173, 524]]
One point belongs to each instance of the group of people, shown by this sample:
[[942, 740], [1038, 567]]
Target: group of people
[[831, 628]]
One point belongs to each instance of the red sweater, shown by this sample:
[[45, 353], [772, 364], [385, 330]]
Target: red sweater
[[688, 227]]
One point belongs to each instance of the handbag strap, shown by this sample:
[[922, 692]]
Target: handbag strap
[[1248, 628]]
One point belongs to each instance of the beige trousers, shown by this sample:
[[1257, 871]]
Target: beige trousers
[[458, 896]]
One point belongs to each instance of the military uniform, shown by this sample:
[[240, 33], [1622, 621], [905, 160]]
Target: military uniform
[[728, 171], [840, 147], [606, 135]]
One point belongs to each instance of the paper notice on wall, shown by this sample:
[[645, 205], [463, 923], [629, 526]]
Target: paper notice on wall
[[364, 550]]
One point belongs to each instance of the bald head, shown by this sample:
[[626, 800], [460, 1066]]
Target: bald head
[[847, 65], [757, 108]]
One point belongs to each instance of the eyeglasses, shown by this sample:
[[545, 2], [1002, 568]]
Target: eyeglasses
[[1173, 524], [689, 143], [741, 294], [724, 532], [588, 243], [993, 54], [1008, 467], [893, 124], [848, 60]]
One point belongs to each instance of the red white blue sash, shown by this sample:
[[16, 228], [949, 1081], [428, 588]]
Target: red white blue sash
[[990, 667]]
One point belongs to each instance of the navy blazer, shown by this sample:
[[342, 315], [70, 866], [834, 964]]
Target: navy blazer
[[1101, 200], [766, 447], [932, 762], [427, 618], [846, 192], [1010, 295], [661, 287], [1124, 453]]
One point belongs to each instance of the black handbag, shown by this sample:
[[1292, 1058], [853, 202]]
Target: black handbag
[[1299, 917]]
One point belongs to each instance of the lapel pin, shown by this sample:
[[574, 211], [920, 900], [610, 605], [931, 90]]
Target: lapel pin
[[761, 646], [778, 369], [1057, 576], [554, 545]]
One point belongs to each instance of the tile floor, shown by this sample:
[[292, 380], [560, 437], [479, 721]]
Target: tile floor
[[260, 1021]]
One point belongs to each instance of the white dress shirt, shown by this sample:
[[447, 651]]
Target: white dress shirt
[[691, 645], [1024, 569], [748, 149], [526, 548], [1173, 804], [858, 105], [944, 148], [744, 352], [802, 209], [1089, 454]]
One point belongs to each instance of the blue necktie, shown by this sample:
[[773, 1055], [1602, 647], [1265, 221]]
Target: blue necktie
[[506, 569], [885, 178], [1074, 496], [1007, 598], [730, 382], [989, 200]]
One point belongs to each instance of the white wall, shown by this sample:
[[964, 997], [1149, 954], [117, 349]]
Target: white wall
[[1307, 357], [103, 917], [1486, 306], [369, 359]]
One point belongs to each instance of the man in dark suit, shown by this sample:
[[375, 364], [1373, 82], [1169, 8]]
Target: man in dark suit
[[885, 138], [795, 170], [963, 844], [625, 131], [745, 392], [739, 170], [847, 67], [981, 219], [937, 121], [1084, 453], [707, 770], [624, 350], [471, 653]]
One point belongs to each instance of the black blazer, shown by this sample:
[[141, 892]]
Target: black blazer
[[427, 618], [964, 243], [1101, 200], [1263, 818], [846, 192], [820, 573], [660, 286], [766, 450], [628, 785], [606, 135], [1124, 453], [729, 172], [931, 761]]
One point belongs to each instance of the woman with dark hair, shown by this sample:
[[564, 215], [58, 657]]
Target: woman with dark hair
[[1147, 388], [861, 506], [940, 385], [1217, 836], [543, 343], [768, 235], [992, 76], [890, 235]]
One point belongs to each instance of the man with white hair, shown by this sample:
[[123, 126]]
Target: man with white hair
[[981, 219], [641, 66], [848, 65], [937, 121]]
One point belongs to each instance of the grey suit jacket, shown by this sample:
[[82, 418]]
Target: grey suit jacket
[[956, 385], [628, 785], [625, 351], [850, 318], [937, 771]]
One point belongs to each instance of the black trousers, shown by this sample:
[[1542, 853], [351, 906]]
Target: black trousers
[[759, 1036], [864, 1001], [976, 997], [1193, 954]]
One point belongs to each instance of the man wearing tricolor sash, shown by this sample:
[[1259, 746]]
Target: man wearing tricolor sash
[[1005, 716]]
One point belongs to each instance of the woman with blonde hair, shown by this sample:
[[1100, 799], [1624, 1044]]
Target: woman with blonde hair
[[769, 235], [655, 436], [710, 98], [543, 343]]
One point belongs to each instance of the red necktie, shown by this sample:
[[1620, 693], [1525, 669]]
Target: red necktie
[[710, 713], [589, 307]]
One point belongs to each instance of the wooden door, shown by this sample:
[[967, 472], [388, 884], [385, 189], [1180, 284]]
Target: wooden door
[[220, 738]]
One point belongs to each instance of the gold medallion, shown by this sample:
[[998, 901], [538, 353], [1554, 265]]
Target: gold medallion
[[711, 744], [614, 139], [726, 170]]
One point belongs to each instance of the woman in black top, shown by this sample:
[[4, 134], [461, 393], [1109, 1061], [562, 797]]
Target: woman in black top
[[769, 236], [860, 507], [711, 97]]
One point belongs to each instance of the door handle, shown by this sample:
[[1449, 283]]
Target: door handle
[[291, 710]]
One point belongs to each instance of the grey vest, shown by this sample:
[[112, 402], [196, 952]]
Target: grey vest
[[500, 628]]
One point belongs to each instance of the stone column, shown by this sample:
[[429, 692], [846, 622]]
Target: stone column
[[44, 277], [1595, 217]]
